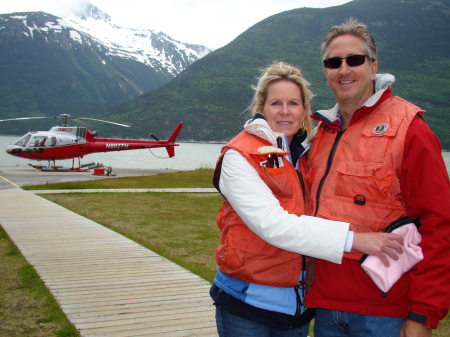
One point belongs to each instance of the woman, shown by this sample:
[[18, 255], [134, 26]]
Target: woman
[[258, 289]]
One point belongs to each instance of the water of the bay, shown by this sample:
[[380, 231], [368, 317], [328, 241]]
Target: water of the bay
[[188, 156]]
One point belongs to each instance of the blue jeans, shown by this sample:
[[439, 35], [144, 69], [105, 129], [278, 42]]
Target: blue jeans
[[330, 323], [230, 325]]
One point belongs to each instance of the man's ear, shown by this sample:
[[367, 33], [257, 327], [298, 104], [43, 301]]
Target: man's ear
[[374, 69], [325, 72]]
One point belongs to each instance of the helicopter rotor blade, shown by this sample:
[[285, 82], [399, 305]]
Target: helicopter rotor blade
[[79, 120], [100, 120], [65, 118], [21, 118]]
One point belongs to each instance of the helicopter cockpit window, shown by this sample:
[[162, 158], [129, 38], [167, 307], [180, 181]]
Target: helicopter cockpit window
[[53, 141], [23, 140], [37, 141]]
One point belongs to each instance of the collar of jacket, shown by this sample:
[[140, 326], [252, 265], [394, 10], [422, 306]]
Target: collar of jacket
[[383, 91]]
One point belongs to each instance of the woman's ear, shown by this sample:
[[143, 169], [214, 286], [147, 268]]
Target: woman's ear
[[307, 108]]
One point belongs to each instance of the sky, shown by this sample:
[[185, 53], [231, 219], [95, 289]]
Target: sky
[[212, 23]]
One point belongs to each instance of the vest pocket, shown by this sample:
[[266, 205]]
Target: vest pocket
[[361, 182], [273, 170], [277, 179], [376, 137]]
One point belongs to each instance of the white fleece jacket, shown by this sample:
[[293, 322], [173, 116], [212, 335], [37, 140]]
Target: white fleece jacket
[[254, 202]]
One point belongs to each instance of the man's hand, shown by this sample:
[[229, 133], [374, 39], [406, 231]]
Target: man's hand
[[414, 329], [379, 244]]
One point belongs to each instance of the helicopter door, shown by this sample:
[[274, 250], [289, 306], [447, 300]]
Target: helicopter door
[[37, 141]]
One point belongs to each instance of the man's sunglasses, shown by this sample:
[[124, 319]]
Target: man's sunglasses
[[352, 61]]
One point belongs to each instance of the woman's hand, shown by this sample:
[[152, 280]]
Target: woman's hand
[[379, 244]]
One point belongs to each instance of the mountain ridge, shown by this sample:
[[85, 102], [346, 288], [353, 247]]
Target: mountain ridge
[[211, 96], [51, 65], [133, 42]]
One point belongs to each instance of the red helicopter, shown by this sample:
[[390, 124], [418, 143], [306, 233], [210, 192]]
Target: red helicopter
[[70, 142]]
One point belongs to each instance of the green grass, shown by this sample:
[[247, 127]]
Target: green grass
[[178, 226], [200, 178]]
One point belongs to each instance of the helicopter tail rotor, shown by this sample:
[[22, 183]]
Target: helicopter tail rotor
[[154, 137]]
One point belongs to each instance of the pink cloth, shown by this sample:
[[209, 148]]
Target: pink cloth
[[384, 277]]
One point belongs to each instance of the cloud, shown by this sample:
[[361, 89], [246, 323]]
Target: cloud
[[212, 23], [55, 7]]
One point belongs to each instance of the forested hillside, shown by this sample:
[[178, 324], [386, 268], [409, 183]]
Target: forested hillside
[[211, 95]]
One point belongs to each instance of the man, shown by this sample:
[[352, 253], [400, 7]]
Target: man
[[372, 161]]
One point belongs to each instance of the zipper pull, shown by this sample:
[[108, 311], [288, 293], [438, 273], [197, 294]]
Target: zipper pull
[[280, 142]]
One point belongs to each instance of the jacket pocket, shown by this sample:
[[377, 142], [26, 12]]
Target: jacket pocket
[[376, 138], [364, 183]]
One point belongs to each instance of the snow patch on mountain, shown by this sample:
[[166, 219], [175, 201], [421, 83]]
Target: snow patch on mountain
[[147, 46], [90, 25]]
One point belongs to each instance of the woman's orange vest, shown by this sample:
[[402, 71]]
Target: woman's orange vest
[[362, 185], [242, 254]]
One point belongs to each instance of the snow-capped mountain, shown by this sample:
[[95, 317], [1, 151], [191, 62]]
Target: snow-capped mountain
[[153, 48], [84, 62], [150, 47]]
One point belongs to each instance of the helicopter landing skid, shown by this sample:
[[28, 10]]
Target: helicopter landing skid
[[60, 168], [99, 169]]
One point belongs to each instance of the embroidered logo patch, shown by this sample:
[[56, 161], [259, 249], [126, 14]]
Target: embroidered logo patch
[[380, 128]]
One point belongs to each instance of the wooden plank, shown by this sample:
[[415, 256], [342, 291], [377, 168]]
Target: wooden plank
[[138, 305], [106, 284], [136, 311]]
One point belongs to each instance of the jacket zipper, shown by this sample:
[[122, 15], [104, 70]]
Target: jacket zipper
[[302, 185], [327, 171], [298, 310]]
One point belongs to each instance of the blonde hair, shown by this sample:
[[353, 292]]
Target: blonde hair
[[282, 71]]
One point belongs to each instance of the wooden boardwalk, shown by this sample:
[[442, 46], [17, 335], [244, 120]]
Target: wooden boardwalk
[[106, 284]]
